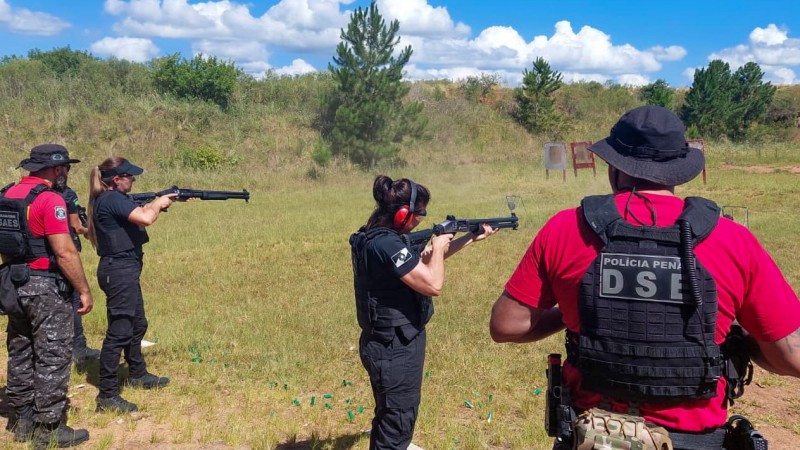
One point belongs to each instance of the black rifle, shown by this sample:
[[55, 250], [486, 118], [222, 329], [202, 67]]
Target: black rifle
[[418, 239], [185, 194]]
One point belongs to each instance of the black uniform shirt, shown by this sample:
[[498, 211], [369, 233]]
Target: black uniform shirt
[[388, 259], [71, 198], [112, 213]]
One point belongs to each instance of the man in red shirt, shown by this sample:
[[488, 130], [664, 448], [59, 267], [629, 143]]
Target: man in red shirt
[[645, 320], [44, 265]]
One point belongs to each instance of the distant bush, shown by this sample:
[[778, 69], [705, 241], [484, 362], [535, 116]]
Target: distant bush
[[322, 153], [62, 61], [205, 158], [657, 93], [201, 78], [479, 88]]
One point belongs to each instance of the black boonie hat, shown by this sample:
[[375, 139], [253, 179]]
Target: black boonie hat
[[47, 155], [126, 168], [649, 142]]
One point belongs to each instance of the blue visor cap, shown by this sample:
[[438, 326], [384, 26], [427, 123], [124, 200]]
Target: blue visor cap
[[126, 168]]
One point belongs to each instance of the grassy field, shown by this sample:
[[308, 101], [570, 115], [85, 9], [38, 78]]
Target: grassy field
[[251, 305]]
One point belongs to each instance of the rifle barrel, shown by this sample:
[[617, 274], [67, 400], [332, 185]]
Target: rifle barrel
[[453, 225]]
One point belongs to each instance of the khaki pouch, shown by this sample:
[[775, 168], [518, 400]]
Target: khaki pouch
[[597, 429]]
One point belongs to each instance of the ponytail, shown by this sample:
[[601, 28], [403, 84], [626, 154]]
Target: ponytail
[[97, 186]]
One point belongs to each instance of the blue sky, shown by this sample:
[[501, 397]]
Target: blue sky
[[619, 41]]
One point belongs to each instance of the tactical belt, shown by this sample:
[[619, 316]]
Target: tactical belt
[[46, 273], [698, 441]]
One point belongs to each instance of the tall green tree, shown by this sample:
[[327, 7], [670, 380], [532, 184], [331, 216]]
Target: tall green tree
[[708, 103], [721, 103], [751, 99], [367, 118], [536, 106], [657, 93]]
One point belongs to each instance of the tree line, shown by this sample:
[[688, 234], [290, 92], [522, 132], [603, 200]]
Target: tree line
[[364, 114]]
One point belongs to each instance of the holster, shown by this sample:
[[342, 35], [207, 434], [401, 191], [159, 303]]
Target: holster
[[9, 297], [742, 436]]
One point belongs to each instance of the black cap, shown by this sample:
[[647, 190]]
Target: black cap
[[126, 168], [649, 142], [47, 155]]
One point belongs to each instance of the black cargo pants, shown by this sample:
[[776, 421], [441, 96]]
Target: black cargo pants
[[118, 277], [395, 373]]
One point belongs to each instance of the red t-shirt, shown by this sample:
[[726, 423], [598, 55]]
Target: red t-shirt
[[47, 214], [750, 289]]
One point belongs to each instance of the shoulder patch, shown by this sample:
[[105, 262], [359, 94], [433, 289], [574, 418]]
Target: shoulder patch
[[61, 213], [401, 257]]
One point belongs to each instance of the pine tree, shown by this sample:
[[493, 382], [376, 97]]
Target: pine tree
[[367, 118], [723, 104], [535, 98], [751, 99]]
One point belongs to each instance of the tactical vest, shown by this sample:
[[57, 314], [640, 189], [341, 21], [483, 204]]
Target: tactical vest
[[127, 236], [16, 241], [648, 308], [377, 307]]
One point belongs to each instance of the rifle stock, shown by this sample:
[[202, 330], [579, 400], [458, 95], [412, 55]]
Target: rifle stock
[[184, 194], [418, 239]]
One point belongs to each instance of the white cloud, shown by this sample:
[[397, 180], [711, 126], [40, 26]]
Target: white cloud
[[771, 35], [242, 51], [25, 21], [589, 51], [671, 53], [771, 48], [298, 67], [255, 68], [419, 18], [632, 79], [734, 56], [574, 77], [5, 10], [299, 25], [779, 75], [442, 46], [132, 49]]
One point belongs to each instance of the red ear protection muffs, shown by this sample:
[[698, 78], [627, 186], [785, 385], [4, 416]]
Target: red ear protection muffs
[[405, 213]]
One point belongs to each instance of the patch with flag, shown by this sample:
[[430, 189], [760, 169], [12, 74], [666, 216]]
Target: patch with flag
[[401, 257]]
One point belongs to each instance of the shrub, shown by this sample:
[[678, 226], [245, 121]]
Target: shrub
[[201, 78], [206, 158]]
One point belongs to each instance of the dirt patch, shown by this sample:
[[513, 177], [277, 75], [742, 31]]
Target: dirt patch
[[771, 403], [761, 169]]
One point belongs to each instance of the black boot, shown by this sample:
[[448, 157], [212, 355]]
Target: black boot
[[57, 434], [115, 404], [148, 381], [82, 353], [21, 423]]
